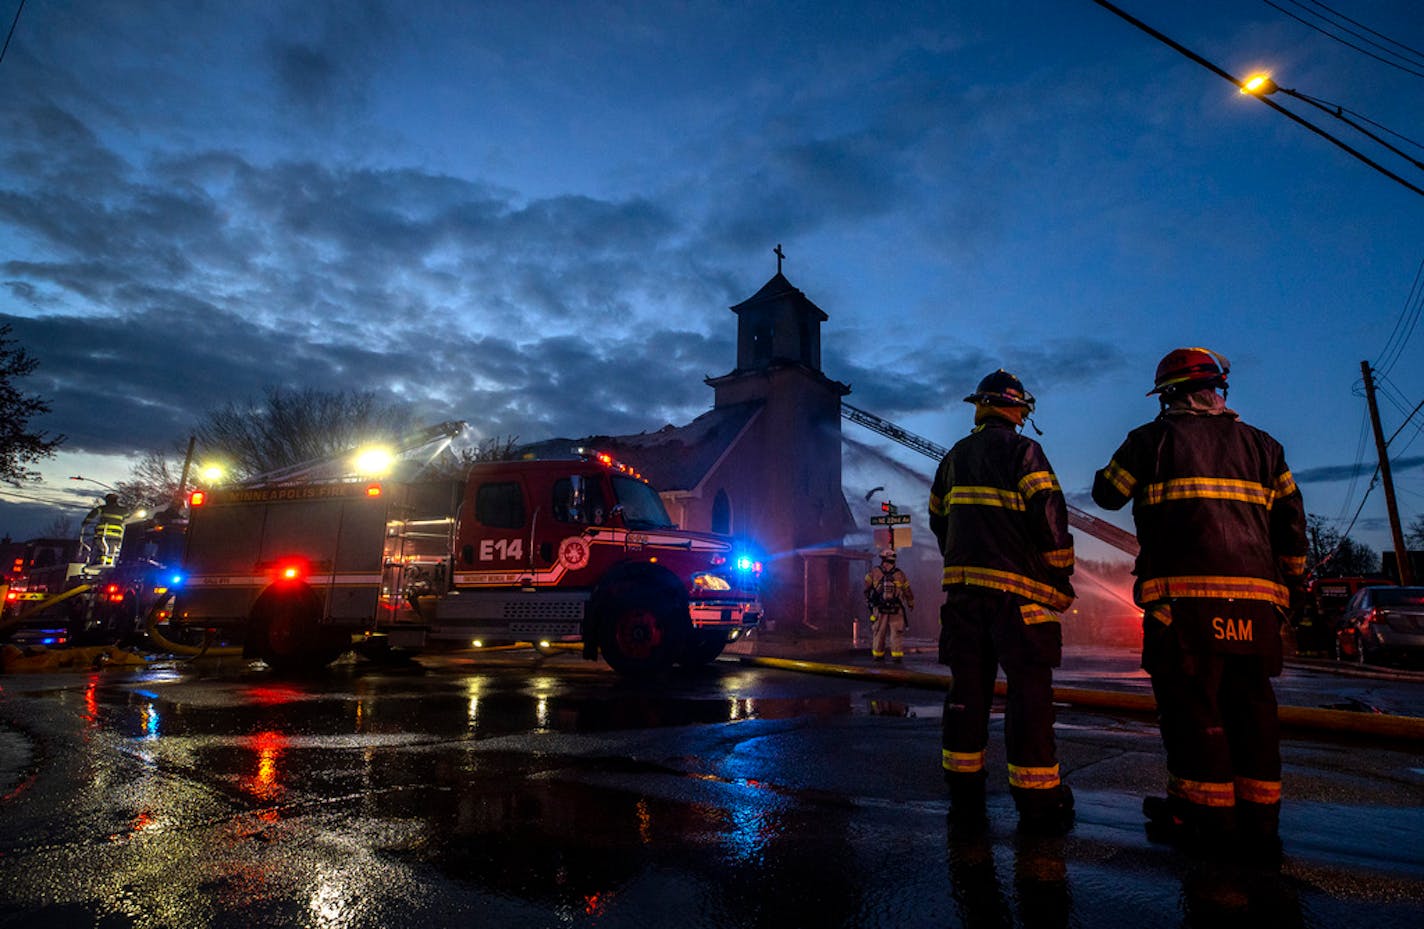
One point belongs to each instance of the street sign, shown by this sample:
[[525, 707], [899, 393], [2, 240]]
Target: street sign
[[897, 519]]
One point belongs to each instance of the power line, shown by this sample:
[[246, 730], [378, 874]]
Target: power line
[[1227, 76], [11, 34], [1358, 35], [1404, 325]]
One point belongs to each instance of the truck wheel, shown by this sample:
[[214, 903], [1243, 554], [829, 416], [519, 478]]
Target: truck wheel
[[704, 648], [287, 632], [641, 619]]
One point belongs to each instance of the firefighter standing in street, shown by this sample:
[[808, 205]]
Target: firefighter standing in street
[[1222, 529], [1002, 524], [887, 591], [107, 537]]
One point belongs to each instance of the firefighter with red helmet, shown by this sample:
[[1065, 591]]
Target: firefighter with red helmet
[[1222, 529], [888, 593], [999, 516]]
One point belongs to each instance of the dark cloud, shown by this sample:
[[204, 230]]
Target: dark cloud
[[914, 378], [1326, 473]]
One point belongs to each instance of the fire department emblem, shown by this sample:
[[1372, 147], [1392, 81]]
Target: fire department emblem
[[573, 553]]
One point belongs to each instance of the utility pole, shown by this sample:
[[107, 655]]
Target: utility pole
[[1401, 553]]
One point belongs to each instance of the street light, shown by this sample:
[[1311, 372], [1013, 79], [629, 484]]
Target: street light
[[80, 477], [1260, 85]]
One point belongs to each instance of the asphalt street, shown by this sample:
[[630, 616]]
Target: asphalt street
[[520, 790]]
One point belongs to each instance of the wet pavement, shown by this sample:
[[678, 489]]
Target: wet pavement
[[519, 791]]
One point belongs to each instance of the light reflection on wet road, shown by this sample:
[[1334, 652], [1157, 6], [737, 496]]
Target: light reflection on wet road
[[521, 795]]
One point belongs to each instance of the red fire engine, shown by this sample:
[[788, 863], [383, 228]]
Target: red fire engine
[[575, 550]]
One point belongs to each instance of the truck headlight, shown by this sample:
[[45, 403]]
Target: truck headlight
[[706, 580]]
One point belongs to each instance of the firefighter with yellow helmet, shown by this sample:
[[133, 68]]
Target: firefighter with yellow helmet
[[103, 528], [1222, 529], [1001, 521], [888, 593]]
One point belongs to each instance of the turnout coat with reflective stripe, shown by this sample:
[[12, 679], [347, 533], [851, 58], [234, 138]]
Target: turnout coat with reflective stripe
[[1217, 511], [1000, 518]]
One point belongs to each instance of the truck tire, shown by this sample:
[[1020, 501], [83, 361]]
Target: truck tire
[[640, 618], [286, 631], [704, 648]]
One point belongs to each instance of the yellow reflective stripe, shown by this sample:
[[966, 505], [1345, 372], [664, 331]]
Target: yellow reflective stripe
[[1036, 482], [1033, 778], [1025, 587], [986, 496], [963, 762], [937, 506], [1118, 476], [1059, 557], [1162, 612], [1202, 793], [1207, 488], [1293, 564], [1219, 586], [1033, 613], [1253, 791], [1285, 484]]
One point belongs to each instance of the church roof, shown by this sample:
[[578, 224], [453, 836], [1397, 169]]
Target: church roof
[[776, 288], [673, 457]]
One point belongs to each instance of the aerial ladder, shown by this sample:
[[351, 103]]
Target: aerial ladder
[[1099, 529]]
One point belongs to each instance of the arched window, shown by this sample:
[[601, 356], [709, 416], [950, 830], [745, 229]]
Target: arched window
[[722, 513]]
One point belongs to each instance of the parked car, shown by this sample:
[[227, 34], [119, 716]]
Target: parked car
[[1382, 622]]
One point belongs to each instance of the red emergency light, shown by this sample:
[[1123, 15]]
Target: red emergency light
[[197, 498], [290, 570], [113, 593], [373, 490]]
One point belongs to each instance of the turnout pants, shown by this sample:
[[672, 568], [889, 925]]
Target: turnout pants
[[1221, 731], [980, 630], [889, 626]]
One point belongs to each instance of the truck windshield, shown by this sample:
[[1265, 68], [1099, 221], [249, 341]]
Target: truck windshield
[[642, 507]]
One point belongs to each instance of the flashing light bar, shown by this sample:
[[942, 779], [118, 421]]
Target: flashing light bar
[[608, 461]]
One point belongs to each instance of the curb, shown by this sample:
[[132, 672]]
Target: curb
[[1310, 719]]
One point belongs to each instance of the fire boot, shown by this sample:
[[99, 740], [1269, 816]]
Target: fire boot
[[966, 798], [1191, 828], [1045, 812], [1258, 832]]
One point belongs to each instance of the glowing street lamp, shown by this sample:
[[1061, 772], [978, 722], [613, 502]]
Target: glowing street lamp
[[1259, 85]]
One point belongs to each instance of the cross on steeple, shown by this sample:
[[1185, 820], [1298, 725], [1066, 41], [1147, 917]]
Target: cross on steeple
[[779, 257]]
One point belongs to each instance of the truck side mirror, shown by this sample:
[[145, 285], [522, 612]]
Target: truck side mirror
[[578, 496]]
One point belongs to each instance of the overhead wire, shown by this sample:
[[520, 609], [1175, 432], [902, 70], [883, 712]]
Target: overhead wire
[[11, 34], [1363, 38], [1404, 326]]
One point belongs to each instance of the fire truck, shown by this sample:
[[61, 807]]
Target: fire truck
[[576, 550], [55, 597]]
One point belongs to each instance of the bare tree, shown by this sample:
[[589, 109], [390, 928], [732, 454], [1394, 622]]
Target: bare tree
[[20, 446], [153, 481], [61, 527], [1414, 534], [1333, 555], [290, 427]]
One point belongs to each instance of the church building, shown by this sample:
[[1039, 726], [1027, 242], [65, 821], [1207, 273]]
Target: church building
[[764, 464]]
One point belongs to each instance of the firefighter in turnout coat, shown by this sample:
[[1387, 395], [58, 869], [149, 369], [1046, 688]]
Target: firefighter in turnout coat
[[1002, 524], [888, 593], [1222, 529]]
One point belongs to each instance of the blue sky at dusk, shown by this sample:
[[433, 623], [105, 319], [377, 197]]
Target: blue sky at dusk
[[534, 216]]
